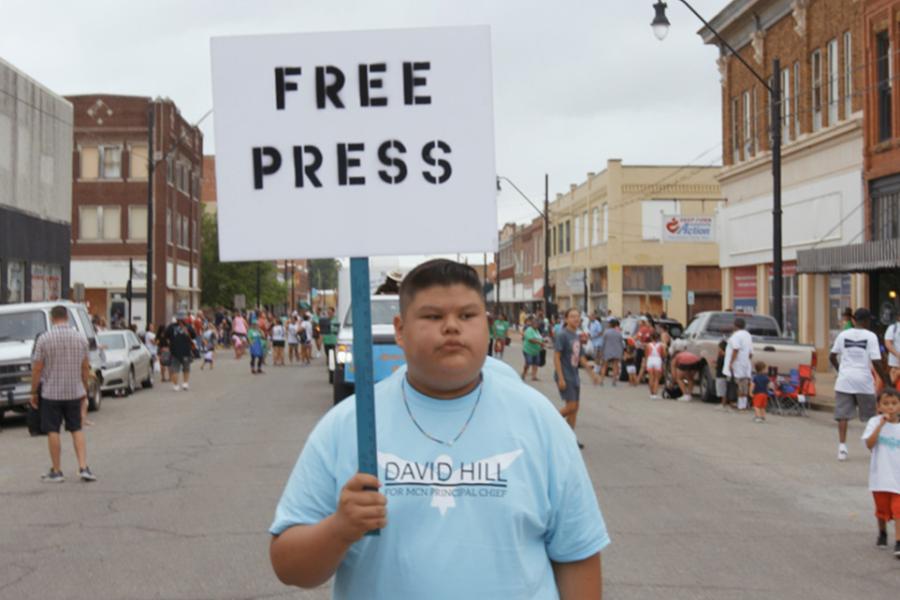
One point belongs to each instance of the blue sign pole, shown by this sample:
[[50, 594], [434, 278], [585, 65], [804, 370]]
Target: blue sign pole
[[362, 366]]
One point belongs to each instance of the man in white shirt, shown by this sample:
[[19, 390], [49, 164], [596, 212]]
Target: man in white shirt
[[737, 361], [854, 355], [892, 344]]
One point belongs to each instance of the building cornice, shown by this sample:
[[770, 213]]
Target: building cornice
[[808, 143]]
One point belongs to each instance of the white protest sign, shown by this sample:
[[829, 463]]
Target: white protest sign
[[359, 143]]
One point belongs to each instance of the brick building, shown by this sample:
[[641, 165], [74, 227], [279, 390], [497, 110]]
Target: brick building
[[109, 205], [876, 256], [820, 45]]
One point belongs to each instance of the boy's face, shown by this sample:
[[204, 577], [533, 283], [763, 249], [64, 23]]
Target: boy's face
[[444, 334], [573, 319], [889, 407]]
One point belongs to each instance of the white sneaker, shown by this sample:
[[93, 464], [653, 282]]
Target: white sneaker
[[843, 453], [685, 398], [176, 387], [184, 386]]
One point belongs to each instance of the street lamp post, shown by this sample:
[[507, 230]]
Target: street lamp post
[[660, 26], [545, 214]]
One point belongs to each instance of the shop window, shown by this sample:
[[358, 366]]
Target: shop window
[[790, 299], [838, 299], [15, 281]]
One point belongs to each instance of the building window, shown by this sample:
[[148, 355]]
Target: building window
[[169, 226], [561, 248], [886, 213], [605, 222], [185, 229], [170, 170], [883, 64], [137, 164], [735, 140], [137, 223], [816, 87], [196, 237], [786, 101], [110, 162], [748, 126], [642, 279], [848, 76], [569, 235], [99, 223], [797, 99], [652, 212], [577, 232], [585, 232], [595, 226], [834, 80], [90, 160]]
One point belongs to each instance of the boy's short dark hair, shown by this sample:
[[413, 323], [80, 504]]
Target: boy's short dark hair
[[723, 345], [889, 391], [760, 366], [58, 313], [437, 272]]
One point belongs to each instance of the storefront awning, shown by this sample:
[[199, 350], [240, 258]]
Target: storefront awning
[[856, 258]]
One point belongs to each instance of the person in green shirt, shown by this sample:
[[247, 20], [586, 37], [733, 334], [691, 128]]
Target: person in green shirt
[[532, 344], [848, 319], [501, 326], [257, 342]]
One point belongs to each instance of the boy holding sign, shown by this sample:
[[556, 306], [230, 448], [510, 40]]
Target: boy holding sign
[[477, 471]]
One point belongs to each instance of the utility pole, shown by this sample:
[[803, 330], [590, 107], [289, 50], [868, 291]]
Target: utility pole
[[129, 291], [293, 302], [546, 246], [497, 291], [150, 115]]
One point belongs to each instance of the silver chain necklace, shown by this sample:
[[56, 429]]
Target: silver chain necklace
[[465, 425]]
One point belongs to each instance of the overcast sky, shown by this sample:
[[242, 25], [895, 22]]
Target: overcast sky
[[575, 82]]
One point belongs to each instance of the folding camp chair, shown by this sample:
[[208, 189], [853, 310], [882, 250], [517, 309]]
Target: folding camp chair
[[788, 395]]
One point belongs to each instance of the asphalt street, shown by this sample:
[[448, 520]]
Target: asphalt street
[[701, 504]]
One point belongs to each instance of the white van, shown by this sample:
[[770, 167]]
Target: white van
[[20, 324]]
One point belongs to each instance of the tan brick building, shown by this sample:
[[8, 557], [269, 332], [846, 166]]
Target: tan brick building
[[820, 45], [611, 228], [109, 205]]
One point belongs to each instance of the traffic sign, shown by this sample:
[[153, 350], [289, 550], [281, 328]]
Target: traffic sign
[[691, 298], [666, 292]]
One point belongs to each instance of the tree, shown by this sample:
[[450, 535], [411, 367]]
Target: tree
[[323, 273], [223, 281]]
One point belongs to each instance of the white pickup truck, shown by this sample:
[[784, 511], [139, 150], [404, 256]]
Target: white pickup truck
[[704, 333], [20, 324]]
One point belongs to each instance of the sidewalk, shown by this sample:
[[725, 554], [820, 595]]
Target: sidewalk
[[823, 400]]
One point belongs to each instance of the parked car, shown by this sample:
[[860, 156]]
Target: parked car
[[386, 354], [20, 325], [704, 333], [128, 361]]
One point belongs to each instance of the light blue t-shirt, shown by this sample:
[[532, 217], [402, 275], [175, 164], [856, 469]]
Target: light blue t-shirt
[[481, 519], [595, 330]]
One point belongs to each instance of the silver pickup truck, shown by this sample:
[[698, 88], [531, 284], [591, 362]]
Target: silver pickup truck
[[704, 333]]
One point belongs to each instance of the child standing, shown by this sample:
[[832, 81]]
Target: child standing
[[209, 354], [882, 437], [630, 366], [762, 385]]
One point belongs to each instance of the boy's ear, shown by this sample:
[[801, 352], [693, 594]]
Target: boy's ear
[[398, 330]]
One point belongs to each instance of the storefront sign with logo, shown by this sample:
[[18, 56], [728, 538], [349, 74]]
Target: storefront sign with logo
[[678, 228]]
